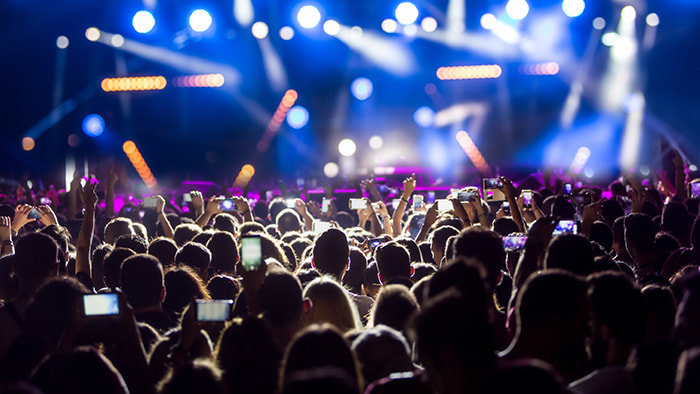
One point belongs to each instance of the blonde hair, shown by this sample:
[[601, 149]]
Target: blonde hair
[[330, 303]]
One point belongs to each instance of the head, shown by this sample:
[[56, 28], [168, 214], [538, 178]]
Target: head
[[225, 222], [164, 249], [288, 220], [412, 247], [602, 234], [371, 284], [200, 375], [141, 280], [381, 351], [484, 246], [505, 226], [331, 253], [182, 286], [224, 253], [394, 306], [222, 287], [196, 256], [438, 241], [133, 242], [675, 220], [82, 370], [639, 235], [355, 274], [571, 252], [98, 259], [393, 261], [562, 208], [276, 206], [185, 232], [116, 228], [330, 304], [113, 264], [36, 260], [281, 299], [660, 306]]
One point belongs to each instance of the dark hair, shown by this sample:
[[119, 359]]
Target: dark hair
[[182, 286], [602, 234], [299, 245], [331, 252], [466, 275], [98, 259], [225, 222], [486, 247], [141, 280], [164, 249], [224, 253], [571, 252], [185, 232], [504, 226], [381, 351], [199, 376], [412, 247], [251, 227], [639, 232], [439, 238], [394, 306], [562, 208], [83, 370], [427, 253], [660, 307], [355, 274], [117, 227], [113, 264], [611, 210], [676, 220], [280, 298], [288, 220], [222, 287], [276, 206], [393, 261], [617, 302], [203, 237], [133, 242], [195, 255], [36, 257]]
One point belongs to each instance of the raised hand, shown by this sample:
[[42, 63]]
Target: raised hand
[[87, 194], [21, 217], [314, 209], [197, 201], [48, 217], [213, 206], [112, 178], [507, 188], [5, 229], [371, 187], [409, 184], [160, 204], [382, 209]]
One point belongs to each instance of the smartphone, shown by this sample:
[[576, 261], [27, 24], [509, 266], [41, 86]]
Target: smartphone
[[506, 208], [34, 214], [431, 196], [45, 201], [527, 199], [227, 205], [492, 189], [374, 243], [100, 304], [358, 203], [417, 201], [567, 188], [514, 243], [186, 197], [694, 189], [325, 204], [318, 226], [214, 310], [467, 196], [444, 205], [251, 252], [566, 226], [291, 203], [376, 206], [395, 203], [149, 202]]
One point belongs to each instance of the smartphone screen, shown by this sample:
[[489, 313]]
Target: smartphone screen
[[565, 226], [527, 199], [325, 204], [492, 183], [149, 202], [506, 208], [214, 310], [694, 189], [319, 226], [567, 188], [186, 197], [45, 201], [376, 206], [417, 201], [227, 205], [431, 196], [100, 304], [251, 252], [444, 205], [374, 243], [34, 214], [358, 203], [291, 203], [514, 243], [467, 196]]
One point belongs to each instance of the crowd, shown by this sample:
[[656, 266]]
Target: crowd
[[464, 295]]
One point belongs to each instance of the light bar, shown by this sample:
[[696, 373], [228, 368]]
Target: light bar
[[580, 159], [467, 144], [550, 68], [199, 81], [489, 71], [244, 176], [132, 152], [290, 97], [133, 84]]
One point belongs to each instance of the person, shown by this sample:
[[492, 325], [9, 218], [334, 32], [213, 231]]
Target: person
[[201, 376], [196, 256], [116, 228], [393, 264], [639, 242], [394, 307], [112, 268], [570, 252], [141, 280], [438, 241], [329, 303], [36, 262], [283, 305], [381, 351], [164, 249]]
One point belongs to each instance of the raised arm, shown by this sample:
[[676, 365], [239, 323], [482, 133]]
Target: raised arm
[[243, 207], [6, 236], [409, 184], [164, 223], [88, 197], [509, 191], [213, 207], [300, 207], [430, 218]]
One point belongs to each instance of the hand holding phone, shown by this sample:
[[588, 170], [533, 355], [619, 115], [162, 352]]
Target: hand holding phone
[[318, 226], [325, 204], [565, 226], [149, 202], [251, 252]]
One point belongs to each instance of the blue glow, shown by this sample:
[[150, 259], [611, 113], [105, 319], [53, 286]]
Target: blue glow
[[93, 125], [297, 117], [424, 116], [361, 88], [200, 20], [143, 21], [573, 8]]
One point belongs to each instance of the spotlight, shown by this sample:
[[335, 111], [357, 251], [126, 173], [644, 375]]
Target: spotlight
[[488, 21], [200, 20], [297, 117], [117, 40], [488, 71], [610, 39], [429, 24], [347, 147], [143, 22], [628, 13], [653, 19], [93, 125], [376, 142], [389, 26], [286, 33], [599, 23], [259, 30], [424, 116], [331, 170], [92, 34], [361, 88], [573, 8], [62, 42], [28, 143], [308, 16], [517, 9], [331, 27], [406, 13]]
